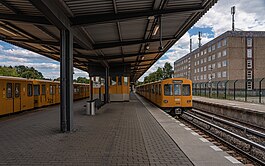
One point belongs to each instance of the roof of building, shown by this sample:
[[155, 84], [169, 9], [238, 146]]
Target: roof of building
[[106, 33]]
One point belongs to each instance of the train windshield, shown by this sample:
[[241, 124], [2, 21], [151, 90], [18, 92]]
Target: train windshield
[[186, 90], [177, 91], [168, 89]]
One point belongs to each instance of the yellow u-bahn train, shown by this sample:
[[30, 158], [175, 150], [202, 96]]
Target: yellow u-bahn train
[[19, 94], [173, 95]]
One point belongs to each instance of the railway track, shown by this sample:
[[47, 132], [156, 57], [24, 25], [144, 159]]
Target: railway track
[[245, 140]]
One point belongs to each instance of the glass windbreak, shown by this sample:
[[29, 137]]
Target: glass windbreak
[[186, 90], [168, 89], [177, 91]]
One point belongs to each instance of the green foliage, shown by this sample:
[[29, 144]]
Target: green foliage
[[82, 80], [160, 74], [20, 71], [8, 71]]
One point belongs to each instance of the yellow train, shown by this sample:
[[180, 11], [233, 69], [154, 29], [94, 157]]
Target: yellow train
[[174, 95], [19, 94]]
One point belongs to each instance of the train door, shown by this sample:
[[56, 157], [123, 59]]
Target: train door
[[17, 97], [9, 98], [186, 95], [43, 94], [36, 91], [177, 94]]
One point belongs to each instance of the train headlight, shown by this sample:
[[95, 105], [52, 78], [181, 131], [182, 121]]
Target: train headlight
[[165, 101]]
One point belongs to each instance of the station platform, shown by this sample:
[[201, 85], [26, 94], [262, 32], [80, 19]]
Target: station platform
[[232, 103], [121, 133], [250, 113]]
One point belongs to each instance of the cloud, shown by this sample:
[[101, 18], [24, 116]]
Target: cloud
[[250, 16]]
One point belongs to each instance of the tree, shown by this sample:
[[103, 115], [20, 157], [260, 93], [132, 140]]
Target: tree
[[167, 71], [82, 80], [8, 71]]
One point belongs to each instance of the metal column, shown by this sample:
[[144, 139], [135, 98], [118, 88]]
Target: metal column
[[107, 86], [66, 83]]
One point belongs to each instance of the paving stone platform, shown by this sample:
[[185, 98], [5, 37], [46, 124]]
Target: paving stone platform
[[121, 133]]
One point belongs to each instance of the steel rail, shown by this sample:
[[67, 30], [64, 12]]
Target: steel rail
[[251, 143], [244, 128]]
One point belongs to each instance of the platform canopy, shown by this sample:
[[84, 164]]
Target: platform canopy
[[119, 34]]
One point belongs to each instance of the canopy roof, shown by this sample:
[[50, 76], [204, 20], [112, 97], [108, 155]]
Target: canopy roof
[[109, 33]]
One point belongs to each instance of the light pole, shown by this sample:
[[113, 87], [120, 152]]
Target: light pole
[[210, 82]]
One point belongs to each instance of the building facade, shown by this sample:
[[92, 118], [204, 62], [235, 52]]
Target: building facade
[[234, 55]]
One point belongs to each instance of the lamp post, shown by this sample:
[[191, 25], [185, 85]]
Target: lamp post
[[210, 82]]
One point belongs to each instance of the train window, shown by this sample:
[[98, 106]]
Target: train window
[[51, 90], [36, 90], [125, 80], [177, 90], [168, 89], [186, 90], [156, 89], [29, 89], [119, 80], [17, 90], [113, 80], [159, 89], [43, 89], [9, 90]]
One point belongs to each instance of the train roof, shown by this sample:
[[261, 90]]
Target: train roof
[[163, 81], [33, 80]]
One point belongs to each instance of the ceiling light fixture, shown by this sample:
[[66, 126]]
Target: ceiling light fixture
[[155, 30]]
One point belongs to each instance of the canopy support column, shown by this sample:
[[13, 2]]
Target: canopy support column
[[66, 80]]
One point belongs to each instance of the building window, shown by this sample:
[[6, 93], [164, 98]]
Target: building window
[[201, 61], [204, 76], [198, 62], [205, 51], [224, 63], [219, 64], [198, 70], [209, 58], [201, 52], [213, 47], [194, 70], [249, 85], [205, 60], [210, 49], [249, 74], [204, 68], [201, 69], [249, 42], [219, 54], [224, 42], [219, 74], [201, 77], [249, 53], [198, 78], [218, 44], [213, 66], [224, 74], [195, 63], [213, 75], [209, 67], [249, 63], [224, 52], [213, 57]]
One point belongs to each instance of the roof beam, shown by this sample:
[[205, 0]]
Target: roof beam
[[23, 18], [110, 17], [126, 43], [50, 10]]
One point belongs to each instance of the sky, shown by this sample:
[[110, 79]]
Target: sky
[[250, 15]]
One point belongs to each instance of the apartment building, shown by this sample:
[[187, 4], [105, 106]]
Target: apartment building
[[234, 55]]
